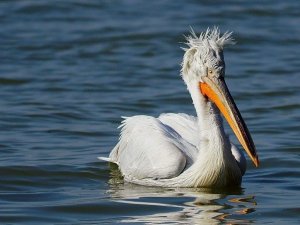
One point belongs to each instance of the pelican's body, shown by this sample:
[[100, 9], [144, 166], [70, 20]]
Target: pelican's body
[[178, 150]]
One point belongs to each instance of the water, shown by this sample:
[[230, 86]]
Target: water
[[70, 69]]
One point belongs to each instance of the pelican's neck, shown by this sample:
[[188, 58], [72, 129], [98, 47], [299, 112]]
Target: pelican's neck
[[210, 123], [215, 164]]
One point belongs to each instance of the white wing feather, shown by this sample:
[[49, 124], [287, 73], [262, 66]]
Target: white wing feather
[[185, 125], [149, 148], [240, 158]]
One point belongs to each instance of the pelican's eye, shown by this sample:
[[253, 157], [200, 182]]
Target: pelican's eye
[[210, 72]]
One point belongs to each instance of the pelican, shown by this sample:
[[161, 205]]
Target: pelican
[[180, 150]]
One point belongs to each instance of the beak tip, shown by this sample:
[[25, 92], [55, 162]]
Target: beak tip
[[256, 161]]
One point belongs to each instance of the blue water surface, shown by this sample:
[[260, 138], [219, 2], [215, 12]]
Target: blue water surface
[[70, 69]]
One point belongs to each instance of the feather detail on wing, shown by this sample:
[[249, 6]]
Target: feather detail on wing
[[240, 158], [148, 148], [185, 125]]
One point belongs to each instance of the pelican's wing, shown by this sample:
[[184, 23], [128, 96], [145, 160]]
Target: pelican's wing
[[149, 148], [185, 125], [240, 158]]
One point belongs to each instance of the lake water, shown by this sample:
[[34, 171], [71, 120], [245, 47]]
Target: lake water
[[70, 69]]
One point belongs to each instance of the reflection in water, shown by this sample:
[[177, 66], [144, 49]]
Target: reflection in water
[[183, 205]]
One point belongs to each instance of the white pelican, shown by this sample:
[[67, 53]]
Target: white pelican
[[179, 150]]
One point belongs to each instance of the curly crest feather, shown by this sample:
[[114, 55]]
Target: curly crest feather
[[209, 37]]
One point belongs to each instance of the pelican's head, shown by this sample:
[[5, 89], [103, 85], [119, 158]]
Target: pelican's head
[[204, 65]]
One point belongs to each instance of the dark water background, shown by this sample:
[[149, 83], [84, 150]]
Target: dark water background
[[70, 69]]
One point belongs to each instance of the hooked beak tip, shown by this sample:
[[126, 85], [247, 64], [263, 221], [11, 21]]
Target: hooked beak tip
[[256, 161]]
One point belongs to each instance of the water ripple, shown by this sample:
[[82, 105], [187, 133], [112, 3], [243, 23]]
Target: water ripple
[[70, 70]]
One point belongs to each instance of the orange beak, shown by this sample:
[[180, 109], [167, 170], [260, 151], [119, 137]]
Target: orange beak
[[219, 94]]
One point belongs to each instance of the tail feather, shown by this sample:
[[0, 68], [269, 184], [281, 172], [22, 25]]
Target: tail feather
[[113, 156], [105, 159]]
